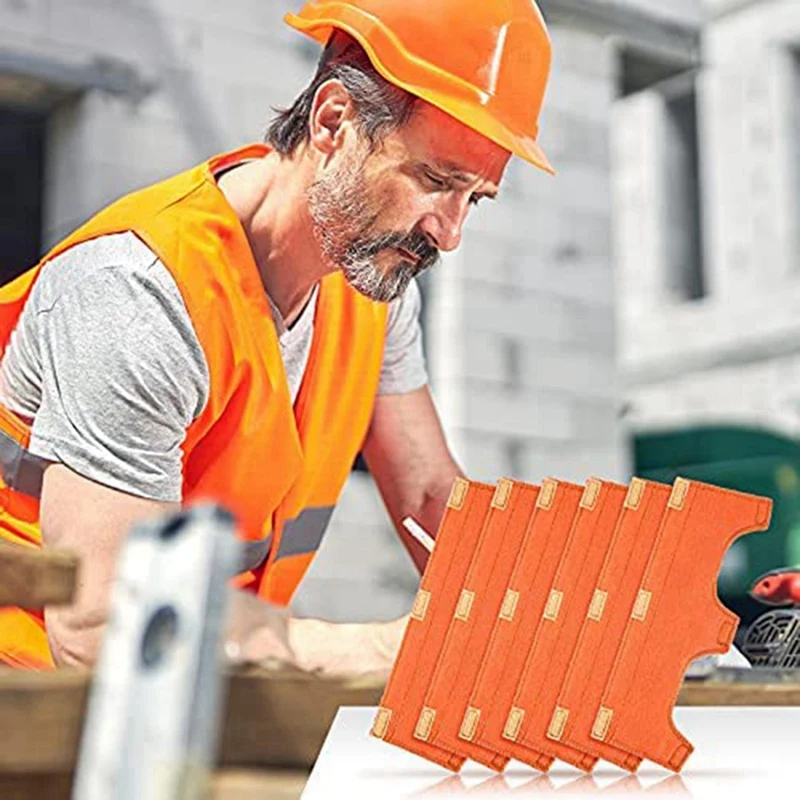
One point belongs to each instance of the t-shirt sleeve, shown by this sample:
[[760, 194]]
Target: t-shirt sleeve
[[403, 369], [122, 376]]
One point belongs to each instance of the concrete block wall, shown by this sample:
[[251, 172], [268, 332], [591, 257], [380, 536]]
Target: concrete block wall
[[521, 326], [527, 353], [217, 68], [706, 361]]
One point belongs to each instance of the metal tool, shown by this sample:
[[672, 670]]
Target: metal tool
[[773, 640], [152, 723]]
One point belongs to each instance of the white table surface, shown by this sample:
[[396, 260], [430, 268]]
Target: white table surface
[[740, 752]]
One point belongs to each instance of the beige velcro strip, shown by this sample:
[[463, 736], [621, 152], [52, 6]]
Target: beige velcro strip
[[509, 605], [553, 605], [464, 605], [601, 723], [502, 493], [458, 493], [420, 606], [557, 723], [641, 605], [678, 496], [591, 493], [381, 724], [424, 724], [546, 493], [635, 492], [469, 724], [597, 605], [513, 724]]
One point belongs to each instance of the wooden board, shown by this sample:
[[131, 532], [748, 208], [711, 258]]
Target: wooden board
[[275, 784], [275, 722], [33, 578], [281, 718], [739, 694], [272, 718]]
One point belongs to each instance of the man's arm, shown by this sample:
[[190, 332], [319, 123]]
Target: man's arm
[[407, 454], [92, 521]]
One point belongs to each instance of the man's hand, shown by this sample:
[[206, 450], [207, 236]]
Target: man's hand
[[346, 650], [257, 631]]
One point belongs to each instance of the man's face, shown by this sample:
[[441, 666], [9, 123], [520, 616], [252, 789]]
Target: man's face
[[383, 217]]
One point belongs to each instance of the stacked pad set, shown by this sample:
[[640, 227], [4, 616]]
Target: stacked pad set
[[557, 622]]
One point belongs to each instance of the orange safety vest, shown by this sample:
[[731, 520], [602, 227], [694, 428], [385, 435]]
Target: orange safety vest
[[279, 469]]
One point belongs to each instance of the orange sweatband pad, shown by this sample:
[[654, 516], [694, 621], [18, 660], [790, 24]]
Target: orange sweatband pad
[[604, 624], [519, 618], [571, 592], [676, 617], [433, 609], [471, 626]]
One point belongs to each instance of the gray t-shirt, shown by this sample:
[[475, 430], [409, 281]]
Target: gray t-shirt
[[106, 361]]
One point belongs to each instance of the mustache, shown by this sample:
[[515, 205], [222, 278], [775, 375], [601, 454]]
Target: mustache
[[415, 243]]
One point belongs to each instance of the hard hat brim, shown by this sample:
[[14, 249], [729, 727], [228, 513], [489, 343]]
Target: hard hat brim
[[472, 114]]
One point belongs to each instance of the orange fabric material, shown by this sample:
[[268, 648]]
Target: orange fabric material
[[471, 626], [26, 640], [676, 618], [440, 587], [492, 75], [249, 450], [604, 625], [568, 602], [514, 631]]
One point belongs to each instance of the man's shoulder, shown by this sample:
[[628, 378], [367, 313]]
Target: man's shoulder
[[123, 255]]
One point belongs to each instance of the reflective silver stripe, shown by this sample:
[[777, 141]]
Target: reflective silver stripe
[[22, 471], [301, 536], [254, 553], [304, 534]]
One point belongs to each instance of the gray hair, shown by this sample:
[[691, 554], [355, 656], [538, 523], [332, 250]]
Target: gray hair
[[380, 106]]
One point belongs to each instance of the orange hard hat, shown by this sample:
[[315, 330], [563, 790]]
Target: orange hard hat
[[484, 62]]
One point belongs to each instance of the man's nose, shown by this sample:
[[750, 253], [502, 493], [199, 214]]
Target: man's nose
[[443, 227]]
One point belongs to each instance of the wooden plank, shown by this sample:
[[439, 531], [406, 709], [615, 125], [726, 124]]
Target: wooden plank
[[42, 787], [281, 718], [713, 693], [275, 784], [272, 717], [41, 714], [33, 578]]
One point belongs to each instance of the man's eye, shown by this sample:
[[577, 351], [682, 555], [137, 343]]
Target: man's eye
[[437, 182]]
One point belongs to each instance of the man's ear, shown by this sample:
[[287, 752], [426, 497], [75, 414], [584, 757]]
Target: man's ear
[[331, 115]]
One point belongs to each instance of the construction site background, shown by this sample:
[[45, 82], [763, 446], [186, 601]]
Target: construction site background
[[636, 314]]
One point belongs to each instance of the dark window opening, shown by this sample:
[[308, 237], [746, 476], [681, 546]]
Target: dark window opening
[[685, 258], [675, 81], [639, 70], [22, 141]]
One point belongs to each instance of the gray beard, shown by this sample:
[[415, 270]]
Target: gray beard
[[341, 221]]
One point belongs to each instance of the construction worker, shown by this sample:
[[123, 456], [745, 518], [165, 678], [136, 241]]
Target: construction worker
[[240, 332]]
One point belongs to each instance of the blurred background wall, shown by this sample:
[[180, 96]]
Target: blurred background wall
[[633, 315]]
